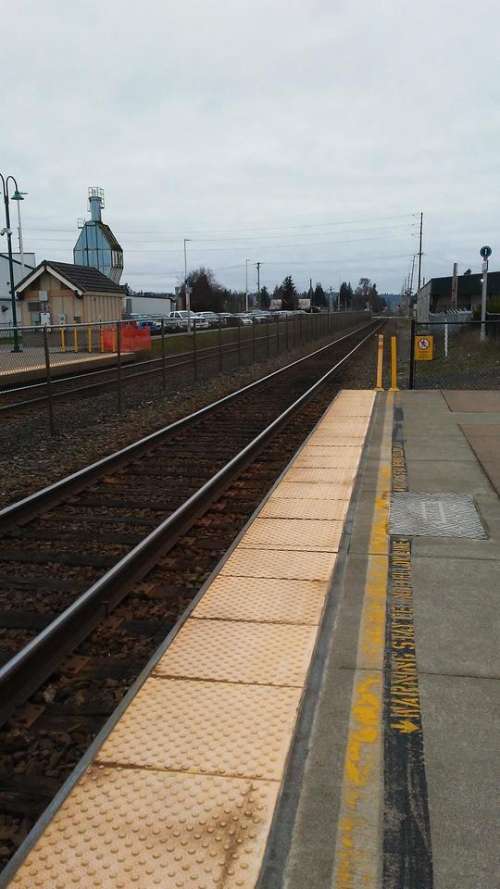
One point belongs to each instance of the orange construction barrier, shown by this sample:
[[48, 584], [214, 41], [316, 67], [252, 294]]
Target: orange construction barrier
[[133, 339]]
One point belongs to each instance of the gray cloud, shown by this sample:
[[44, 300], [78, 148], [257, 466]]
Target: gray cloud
[[264, 121]]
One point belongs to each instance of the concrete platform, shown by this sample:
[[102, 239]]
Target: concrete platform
[[391, 782], [18, 368]]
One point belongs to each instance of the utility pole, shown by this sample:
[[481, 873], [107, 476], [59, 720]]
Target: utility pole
[[246, 285], [18, 198], [258, 264], [420, 252], [187, 294], [485, 252], [454, 286], [411, 277]]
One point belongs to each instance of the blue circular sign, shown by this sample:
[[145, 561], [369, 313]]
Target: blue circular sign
[[485, 252]]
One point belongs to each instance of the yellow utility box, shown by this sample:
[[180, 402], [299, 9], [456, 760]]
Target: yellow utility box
[[424, 347]]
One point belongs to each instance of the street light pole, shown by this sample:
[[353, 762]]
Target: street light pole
[[246, 285], [187, 294], [8, 232], [18, 198], [485, 253]]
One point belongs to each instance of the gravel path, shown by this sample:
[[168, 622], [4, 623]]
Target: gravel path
[[91, 428]]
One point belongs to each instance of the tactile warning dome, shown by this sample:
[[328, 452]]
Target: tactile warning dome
[[210, 727], [123, 828]]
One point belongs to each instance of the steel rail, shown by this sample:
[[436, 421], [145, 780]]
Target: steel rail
[[172, 364], [26, 671], [27, 508]]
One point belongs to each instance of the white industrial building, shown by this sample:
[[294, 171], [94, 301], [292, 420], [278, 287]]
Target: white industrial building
[[22, 266]]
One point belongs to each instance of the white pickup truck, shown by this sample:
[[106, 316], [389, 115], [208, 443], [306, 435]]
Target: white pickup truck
[[179, 320]]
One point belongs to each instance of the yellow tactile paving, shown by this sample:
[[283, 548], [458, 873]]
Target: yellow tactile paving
[[281, 508], [321, 475], [332, 449], [281, 564], [214, 728], [304, 491], [344, 426], [237, 651], [263, 599], [334, 460], [130, 828], [293, 534], [333, 438], [183, 789]]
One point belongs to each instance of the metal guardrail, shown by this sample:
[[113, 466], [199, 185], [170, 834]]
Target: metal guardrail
[[52, 353]]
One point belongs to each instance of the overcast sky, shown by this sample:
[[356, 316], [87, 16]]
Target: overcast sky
[[306, 134]]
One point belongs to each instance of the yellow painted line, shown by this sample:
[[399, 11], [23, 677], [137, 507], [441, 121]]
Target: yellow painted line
[[358, 844]]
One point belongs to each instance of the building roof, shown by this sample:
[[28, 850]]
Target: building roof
[[82, 278], [468, 289], [27, 265], [113, 243]]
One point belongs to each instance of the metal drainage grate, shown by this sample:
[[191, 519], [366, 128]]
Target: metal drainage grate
[[434, 515]]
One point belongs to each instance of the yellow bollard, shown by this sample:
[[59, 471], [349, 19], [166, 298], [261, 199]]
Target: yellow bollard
[[380, 363], [89, 339], [75, 339], [394, 365], [63, 340]]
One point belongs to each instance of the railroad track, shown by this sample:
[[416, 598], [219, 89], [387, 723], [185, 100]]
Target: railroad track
[[93, 381], [97, 568]]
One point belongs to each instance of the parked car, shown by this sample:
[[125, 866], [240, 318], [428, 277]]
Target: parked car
[[178, 320], [261, 316], [154, 326], [211, 317]]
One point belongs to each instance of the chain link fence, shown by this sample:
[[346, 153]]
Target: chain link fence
[[454, 354], [42, 365]]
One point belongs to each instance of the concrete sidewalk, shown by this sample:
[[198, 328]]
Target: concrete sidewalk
[[392, 782]]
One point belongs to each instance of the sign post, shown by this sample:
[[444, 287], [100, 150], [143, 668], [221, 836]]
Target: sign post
[[485, 252]]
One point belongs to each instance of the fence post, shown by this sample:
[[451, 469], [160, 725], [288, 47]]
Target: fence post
[[277, 334], [268, 339], [195, 351], [163, 357], [63, 340], [89, 339], [119, 365], [49, 381], [253, 340], [446, 339], [219, 344], [286, 333], [239, 345], [411, 380]]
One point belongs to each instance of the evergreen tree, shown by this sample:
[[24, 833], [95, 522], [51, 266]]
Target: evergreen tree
[[346, 294], [319, 297], [289, 298], [265, 298]]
